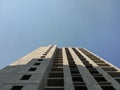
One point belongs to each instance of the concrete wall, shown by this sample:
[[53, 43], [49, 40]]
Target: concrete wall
[[38, 65]]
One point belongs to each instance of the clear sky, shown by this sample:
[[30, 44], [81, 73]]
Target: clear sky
[[28, 24]]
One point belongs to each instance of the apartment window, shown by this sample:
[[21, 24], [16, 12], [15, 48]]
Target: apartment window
[[80, 88], [107, 87], [77, 79], [42, 56], [75, 72], [17, 88], [37, 64], [55, 82], [25, 77], [100, 79], [94, 72], [40, 59], [114, 74], [54, 88], [56, 75], [32, 69]]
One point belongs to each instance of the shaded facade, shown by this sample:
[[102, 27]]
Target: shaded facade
[[53, 68]]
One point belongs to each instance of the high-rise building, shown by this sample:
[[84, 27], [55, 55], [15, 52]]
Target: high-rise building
[[53, 68]]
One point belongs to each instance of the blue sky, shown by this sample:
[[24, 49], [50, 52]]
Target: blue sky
[[28, 24]]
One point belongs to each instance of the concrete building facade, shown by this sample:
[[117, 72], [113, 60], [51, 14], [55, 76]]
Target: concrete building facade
[[53, 68]]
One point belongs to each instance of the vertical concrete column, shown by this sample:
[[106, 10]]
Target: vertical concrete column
[[114, 83], [87, 77], [68, 84], [51, 52]]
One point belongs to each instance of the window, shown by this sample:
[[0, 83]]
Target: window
[[118, 80], [56, 75], [40, 59], [32, 69], [54, 88], [107, 87], [114, 74], [42, 56], [25, 77], [100, 79], [17, 88], [55, 82], [37, 64], [77, 79], [80, 88]]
